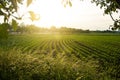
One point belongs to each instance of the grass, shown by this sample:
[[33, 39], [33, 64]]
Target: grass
[[60, 57], [18, 66]]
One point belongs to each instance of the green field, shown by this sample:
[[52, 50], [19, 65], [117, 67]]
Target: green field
[[60, 57]]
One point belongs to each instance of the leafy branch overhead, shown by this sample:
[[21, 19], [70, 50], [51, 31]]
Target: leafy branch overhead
[[9, 7], [15, 3], [109, 6], [33, 16]]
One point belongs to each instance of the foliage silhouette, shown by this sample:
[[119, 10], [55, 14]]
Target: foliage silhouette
[[109, 6]]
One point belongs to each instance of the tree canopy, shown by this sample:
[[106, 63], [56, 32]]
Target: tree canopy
[[9, 7]]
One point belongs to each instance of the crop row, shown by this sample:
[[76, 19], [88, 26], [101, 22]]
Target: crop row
[[81, 48]]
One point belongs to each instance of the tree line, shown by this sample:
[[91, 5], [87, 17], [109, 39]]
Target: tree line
[[32, 29]]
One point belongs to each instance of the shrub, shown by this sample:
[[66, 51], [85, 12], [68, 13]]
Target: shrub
[[3, 31], [37, 66]]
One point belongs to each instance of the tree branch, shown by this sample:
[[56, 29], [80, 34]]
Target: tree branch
[[112, 17]]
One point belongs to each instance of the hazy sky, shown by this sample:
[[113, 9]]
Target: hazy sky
[[82, 14]]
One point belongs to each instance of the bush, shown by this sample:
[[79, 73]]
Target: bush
[[3, 31], [17, 66]]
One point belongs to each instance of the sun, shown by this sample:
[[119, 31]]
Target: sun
[[52, 12], [82, 15]]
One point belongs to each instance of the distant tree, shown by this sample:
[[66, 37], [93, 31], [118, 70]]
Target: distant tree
[[63, 30], [53, 27], [29, 29]]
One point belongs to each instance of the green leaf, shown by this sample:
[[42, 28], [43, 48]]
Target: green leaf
[[1, 13], [14, 24], [29, 2], [33, 16], [1, 6], [70, 4], [19, 1], [14, 3]]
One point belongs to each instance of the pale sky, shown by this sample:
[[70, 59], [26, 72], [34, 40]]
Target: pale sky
[[82, 15]]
